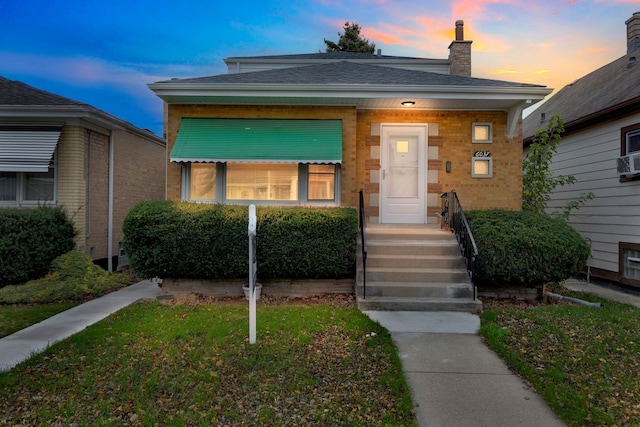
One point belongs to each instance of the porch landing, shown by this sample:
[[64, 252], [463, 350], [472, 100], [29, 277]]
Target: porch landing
[[413, 268]]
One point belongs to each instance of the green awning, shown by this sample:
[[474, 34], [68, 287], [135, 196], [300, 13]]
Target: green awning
[[258, 140]]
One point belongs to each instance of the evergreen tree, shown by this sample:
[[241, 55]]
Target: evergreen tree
[[350, 41]]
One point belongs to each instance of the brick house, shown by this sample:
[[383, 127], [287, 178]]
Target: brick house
[[61, 152], [313, 129], [600, 147]]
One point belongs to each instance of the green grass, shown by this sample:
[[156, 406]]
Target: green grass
[[583, 361], [14, 318], [154, 364]]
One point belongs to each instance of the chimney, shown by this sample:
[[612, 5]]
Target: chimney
[[633, 33], [460, 53]]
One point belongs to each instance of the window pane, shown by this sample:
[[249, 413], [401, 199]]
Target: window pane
[[262, 181], [8, 182], [631, 266], [203, 181], [480, 167], [481, 133], [322, 179], [633, 141], [38, 185]]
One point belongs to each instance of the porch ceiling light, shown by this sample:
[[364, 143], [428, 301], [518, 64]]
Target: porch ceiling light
[[408, 103]]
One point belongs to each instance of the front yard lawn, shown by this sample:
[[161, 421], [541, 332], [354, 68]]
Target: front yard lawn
[[584, 361], [14, 318], [155, 364]]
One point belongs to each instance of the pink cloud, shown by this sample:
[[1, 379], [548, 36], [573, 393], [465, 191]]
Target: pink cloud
[[592, 50]]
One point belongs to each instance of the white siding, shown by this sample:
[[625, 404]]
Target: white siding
[[613, 216]]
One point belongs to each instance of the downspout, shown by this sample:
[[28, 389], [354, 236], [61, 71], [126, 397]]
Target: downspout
[[110, 211]]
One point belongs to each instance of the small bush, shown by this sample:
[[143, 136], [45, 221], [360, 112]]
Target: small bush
[[29, 240], [524, 248], [73, 277], [204, 241]]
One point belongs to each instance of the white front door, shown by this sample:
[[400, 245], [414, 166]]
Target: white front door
[[403, 161]]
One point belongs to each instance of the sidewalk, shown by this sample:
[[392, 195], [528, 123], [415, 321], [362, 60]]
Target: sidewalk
[[455, 379], [23, 344]]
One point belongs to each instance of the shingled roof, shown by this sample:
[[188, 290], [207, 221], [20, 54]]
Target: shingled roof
[[13, 92], [348, 73], [614, 86], [21, 101], [604, 94]]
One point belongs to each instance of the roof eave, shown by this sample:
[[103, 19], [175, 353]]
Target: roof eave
[[165, 89], [613, 112], [74, 112]]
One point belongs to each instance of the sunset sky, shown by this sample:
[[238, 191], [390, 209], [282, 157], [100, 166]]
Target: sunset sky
[[105, 53]]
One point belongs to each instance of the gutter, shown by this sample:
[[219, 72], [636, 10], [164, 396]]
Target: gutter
[[348, 90]]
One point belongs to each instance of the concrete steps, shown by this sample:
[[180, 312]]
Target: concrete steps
[[414, 268]]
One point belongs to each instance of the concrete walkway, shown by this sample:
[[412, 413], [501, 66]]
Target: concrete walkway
[[454, 378], [23, 344]]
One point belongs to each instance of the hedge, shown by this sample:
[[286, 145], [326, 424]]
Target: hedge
[[29, 240], [523, 248], [209, 241]]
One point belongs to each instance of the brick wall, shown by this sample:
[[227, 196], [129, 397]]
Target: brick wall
[[71, 179], [449, 140], [83, 182], [346, 114], [139, 175], [97, 176]]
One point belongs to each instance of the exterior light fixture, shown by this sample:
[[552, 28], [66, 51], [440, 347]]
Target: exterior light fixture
[[408, 103]]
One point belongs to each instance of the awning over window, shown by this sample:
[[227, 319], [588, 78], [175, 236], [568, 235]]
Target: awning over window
[[258, 140], [27, 148]]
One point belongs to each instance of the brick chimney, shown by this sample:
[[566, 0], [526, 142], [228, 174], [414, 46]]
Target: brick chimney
[[460, 53], [633, 33]]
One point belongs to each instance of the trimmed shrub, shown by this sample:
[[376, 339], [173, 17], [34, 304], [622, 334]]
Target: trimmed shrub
[[73, 277], [29, 240], [523, 248], [209, 241]]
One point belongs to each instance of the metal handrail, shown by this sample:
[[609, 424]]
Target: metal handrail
[[453, 217], [363, 240]]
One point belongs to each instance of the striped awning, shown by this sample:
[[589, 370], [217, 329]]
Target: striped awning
[[27, 148], [258, 140]]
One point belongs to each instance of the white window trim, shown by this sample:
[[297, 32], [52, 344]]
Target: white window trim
[[627, 135], [20, 190]]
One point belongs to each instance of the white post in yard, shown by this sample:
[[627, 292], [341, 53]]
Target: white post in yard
[[253, 271]]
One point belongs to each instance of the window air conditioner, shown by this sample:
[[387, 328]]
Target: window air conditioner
[[628, 165]]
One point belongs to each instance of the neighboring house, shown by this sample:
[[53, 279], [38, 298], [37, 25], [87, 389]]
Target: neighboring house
[[601, 148], [313, 129], [55, 151]]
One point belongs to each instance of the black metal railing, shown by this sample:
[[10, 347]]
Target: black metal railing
[[453, 217], [363, 241]]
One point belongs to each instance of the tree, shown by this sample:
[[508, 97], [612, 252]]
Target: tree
[[538, 180], [350, 41]]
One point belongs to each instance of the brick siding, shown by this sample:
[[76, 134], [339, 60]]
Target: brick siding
[[449, 140]]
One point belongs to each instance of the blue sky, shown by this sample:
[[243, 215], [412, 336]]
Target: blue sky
[[105, 53]]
